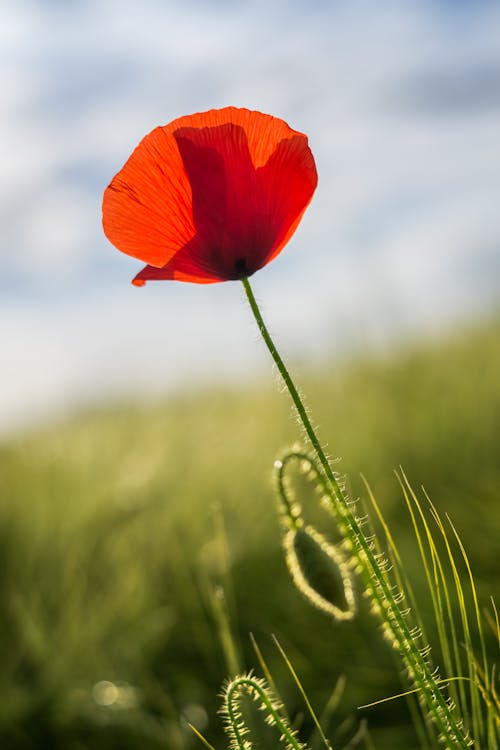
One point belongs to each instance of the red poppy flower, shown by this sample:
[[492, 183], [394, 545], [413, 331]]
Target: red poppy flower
[[211, 196]]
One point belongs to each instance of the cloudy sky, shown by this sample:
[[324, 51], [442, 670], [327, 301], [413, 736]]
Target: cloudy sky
[[401, 103]]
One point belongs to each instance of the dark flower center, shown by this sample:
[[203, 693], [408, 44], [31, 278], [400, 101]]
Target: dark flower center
[[240, 268]]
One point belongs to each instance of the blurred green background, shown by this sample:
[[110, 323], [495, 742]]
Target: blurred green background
[[126, 534]]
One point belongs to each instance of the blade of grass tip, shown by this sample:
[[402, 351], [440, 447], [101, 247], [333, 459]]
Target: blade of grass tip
[[200, 736], [475, 600], [445, 621], [333, 701], [269, 678], [433, 580], [336, 696], [413, 691], [263, 664], [492, 743], [438, 588], [381, 519], [388, 564], [475, 698], [295, 677]]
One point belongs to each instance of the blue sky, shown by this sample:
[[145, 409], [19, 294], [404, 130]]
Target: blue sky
[[401, 103]]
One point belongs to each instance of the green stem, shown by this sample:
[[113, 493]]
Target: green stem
[[298, 403], [373, 574], [235, 723]]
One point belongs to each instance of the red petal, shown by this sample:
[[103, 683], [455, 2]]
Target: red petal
[[289, 180], [210, 196], [182, 267], [151, 273], [225, 194], [147, 207]]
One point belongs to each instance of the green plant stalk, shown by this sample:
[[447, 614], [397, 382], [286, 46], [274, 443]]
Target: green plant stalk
[[371, 570], [439, 593], [235, 725]]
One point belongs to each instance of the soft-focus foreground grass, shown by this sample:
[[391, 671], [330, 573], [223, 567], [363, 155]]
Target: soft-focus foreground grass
[[139, 547]]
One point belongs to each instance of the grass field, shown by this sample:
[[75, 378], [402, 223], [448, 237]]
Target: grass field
[[140, 547]]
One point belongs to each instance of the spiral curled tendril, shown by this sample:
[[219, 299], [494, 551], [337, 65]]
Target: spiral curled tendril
[[260, 692], [360, 555], [319, 569]]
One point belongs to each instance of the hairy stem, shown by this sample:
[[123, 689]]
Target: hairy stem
[[235, 723], [369, 566]]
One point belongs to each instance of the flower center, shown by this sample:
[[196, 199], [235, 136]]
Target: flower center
[[240, 268]]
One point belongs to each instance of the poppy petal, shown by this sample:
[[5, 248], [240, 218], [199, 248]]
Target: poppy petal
[[147, 207], [224, 193], [211, 196], [263, 132], [152, 273], [289, 180], [184, 266]]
